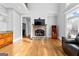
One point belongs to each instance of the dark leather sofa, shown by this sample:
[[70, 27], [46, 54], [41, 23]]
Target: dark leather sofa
[[71, 47]]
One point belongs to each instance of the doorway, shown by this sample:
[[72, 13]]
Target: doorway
[[24, 30], [26, 27]]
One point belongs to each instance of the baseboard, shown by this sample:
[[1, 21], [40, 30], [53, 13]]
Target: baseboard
[[15, 40], [28, 36], [49, 37], [59, 38], [40, 38]]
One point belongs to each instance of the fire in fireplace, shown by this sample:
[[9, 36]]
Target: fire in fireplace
[[39, 32]]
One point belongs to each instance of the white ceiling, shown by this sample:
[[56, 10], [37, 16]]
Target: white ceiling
[[20, 7], [32, 8], [43, 8]]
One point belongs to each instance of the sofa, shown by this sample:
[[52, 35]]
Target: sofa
[[71, 47]]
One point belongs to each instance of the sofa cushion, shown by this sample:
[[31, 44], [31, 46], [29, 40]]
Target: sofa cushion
[[71, 49], [71, 41], [77, 39]]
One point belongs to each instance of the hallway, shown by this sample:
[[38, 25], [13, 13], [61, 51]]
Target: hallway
[[26, 47]]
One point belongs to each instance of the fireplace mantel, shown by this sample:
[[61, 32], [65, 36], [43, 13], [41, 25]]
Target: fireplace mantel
[[39, 25]]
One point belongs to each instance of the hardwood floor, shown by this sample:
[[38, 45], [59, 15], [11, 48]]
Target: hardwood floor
[[27, 47]]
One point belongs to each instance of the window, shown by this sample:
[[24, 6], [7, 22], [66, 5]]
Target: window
[[72, 27]]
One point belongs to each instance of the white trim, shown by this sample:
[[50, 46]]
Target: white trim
[[15, 40], [68, 11], [21, 26]]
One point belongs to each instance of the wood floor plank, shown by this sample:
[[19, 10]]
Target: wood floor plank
[[36, 47]]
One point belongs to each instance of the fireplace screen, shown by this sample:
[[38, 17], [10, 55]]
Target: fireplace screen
[[39, 32]]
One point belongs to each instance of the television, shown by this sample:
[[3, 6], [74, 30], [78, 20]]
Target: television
[[39, 21]]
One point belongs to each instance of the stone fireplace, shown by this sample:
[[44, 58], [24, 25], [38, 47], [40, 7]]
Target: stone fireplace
[[39, 31]]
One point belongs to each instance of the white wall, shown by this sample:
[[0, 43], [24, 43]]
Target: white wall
[[3, 21], [9, 19], [16, 26], [61, 26], [51, 20], [3, 26]]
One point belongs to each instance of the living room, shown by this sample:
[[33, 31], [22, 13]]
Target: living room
[[39, 29]]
